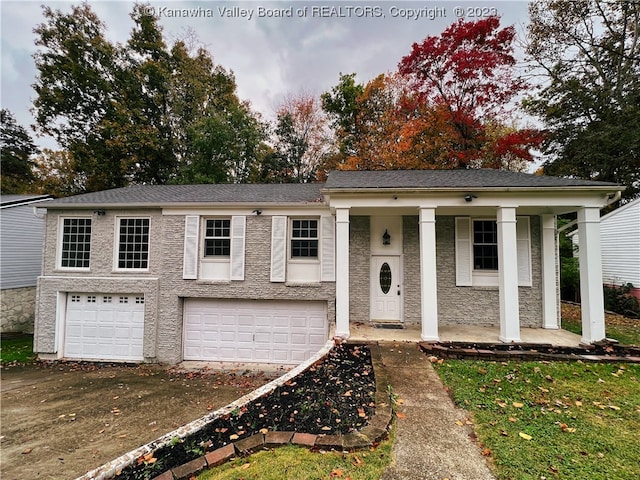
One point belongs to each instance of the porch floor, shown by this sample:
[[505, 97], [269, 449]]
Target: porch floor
[[462, 333]]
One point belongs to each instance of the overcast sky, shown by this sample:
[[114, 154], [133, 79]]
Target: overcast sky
[[305, 50]]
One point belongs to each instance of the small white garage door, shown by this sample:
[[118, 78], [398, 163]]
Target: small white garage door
[[104, 326], [285, 332]]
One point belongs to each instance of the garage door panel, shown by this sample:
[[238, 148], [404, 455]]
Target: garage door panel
[[104, 327], [252, 330]]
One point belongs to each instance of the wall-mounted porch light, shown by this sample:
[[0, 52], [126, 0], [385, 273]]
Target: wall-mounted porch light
[[386, 238]]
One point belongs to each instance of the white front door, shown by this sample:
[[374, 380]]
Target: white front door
[[386, 288]]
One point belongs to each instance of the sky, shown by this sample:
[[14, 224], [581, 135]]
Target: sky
[[274, 48]]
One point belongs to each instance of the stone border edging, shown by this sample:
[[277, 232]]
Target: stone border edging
[[599, 352], [109, 469], [375, 430]]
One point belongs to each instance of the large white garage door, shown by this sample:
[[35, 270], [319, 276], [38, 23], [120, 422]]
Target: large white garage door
[[104, 326], [285, 332]]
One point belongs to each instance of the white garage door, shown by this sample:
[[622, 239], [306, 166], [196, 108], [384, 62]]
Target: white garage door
[[285, 332], [104, 326]]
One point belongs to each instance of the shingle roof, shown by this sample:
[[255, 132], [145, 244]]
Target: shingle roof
[[159, 195], [343, 179]]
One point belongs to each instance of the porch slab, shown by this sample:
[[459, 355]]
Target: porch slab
[[361, 332]]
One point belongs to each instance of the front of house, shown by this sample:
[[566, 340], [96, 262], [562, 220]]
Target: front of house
[[264, 273]]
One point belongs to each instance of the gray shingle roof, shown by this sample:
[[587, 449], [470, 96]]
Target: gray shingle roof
[[449, 179], [160, 195]]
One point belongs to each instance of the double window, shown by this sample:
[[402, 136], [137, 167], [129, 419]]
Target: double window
[[217, 237], [133, 243], [304, 238], [76, 243]]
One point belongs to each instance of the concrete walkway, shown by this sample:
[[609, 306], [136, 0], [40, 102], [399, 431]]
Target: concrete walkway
[[429, 444]]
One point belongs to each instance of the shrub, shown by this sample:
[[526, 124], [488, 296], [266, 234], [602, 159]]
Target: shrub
[[618, 300]]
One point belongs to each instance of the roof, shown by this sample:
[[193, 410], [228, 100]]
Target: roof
[[456, 179], [162, 195], [14, 200], [618, 210]]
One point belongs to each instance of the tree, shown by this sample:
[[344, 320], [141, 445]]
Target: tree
[[225, 146], [16, 149], [302, 139], [587, 52], [466, 77], [139, 112], [341, 106], [446, 107], [57, 174]]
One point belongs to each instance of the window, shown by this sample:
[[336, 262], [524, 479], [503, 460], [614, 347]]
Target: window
[[485, 245], [76, 243], [133, 243], [217, 238], [304, 239]]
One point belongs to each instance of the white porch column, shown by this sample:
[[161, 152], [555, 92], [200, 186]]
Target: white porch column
[[590, 258], [508, 275], [428, 275], [342, 273], [549, 273]]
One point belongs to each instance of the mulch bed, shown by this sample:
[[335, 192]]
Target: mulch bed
[[333, 396]]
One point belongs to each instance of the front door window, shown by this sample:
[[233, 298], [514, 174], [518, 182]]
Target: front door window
[[385, 278]]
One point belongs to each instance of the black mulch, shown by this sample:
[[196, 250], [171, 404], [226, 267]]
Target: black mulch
[[335, 395]]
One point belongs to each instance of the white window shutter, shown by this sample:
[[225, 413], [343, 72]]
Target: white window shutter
[[278, 248], [238, 227], [190, 261], [328, 273], [463, 252], [523, 238]]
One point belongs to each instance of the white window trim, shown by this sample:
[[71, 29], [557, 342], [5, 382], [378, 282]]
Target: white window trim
[[304, 260], [214, 258], [59, 266], [489, 278], [481, 277], [116, 244]]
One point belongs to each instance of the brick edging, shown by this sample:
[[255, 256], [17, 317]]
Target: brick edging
[[372, 433], [600, 352]]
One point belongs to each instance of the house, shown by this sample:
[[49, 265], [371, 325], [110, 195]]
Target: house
[[264, 273], [21, 236], [620, 243]]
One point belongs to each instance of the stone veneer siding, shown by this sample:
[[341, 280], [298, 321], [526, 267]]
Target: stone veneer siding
[[359, 269], [456, 305], [163, 286], [18, 309]]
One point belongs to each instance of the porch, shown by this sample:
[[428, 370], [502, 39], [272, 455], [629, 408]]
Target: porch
[[461, 333]]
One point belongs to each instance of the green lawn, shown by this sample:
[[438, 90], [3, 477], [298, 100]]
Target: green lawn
[[18, 349], [625, 330], [302, 464], [551, 419]]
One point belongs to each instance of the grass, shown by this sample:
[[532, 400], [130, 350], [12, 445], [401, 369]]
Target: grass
[[302, 464], [17, 349], [557, 420], [625, 330]]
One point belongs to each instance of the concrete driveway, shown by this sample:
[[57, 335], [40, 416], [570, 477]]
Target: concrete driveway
[[60, 420]]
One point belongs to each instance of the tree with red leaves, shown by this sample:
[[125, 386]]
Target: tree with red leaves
[[466, 76]]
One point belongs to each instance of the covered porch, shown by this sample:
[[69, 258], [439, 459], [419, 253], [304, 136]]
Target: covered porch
[[361, 332], [442, 280]]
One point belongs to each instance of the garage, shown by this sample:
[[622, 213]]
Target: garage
[[104, 326], [286, 331]]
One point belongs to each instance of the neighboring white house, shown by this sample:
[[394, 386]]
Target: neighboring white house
[[264, 272], [21, 240], [620, 241]]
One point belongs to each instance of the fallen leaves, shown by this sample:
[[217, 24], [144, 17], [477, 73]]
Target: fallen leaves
[[525, 436]]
